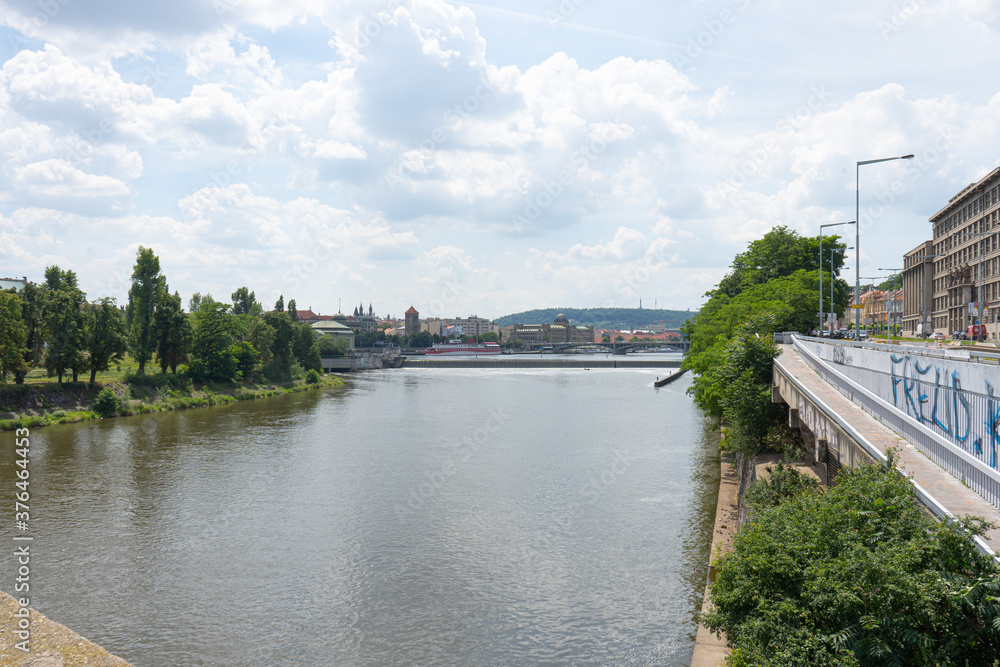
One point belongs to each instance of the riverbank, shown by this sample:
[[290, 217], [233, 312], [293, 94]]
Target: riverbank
[[37, 405], [710, 649], [51, 644]]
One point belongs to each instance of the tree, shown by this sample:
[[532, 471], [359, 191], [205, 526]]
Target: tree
[[893, 282], [280, 367], [65, 323], [174, 334], [107, 336], [781, 252], [279, 305], [213, 356], [147, 286], [856, 574], [196, 301], [746, 375], [305, 348], [245, 302], [293, 311], [13, 336], [33, 315]]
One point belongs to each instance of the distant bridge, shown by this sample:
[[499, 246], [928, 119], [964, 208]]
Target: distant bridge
[[624, 347]]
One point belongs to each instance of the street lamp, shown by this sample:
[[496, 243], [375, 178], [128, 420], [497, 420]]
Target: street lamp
[[832, 224], [832, 281], [888, 314], [857, 235]]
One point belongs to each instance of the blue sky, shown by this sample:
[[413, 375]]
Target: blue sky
[[478, 158]]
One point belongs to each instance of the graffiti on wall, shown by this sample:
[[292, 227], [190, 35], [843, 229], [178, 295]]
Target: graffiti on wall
[[935, 397]]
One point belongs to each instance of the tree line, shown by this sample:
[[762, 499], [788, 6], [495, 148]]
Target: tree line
[[52, 326], [853, 575]]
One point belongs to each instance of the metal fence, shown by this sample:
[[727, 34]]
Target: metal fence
[[957, 429]]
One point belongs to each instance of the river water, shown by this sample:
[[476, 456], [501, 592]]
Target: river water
[[414, 517]]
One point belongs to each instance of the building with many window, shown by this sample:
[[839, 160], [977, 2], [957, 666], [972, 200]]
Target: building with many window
[[559, 332], [918, 289], [966, 282]]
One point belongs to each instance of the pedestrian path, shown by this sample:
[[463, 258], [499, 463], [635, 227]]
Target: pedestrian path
[[956, 497]]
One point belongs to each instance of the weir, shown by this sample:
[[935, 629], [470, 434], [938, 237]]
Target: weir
[[540, 363]]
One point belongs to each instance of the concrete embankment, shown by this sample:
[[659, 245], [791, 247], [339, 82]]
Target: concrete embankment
[[50, 644], [710, 650], [507, 362]]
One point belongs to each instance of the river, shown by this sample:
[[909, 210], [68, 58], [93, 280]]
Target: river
[[414, 517]]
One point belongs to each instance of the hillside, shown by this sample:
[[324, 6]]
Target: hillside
[[602, 318]]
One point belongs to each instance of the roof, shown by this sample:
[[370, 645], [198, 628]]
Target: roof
[[332, 327], [16, 283], [412, 311]]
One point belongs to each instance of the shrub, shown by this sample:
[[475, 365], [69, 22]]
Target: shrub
[[106, 403], [855, 575], [312, 376]]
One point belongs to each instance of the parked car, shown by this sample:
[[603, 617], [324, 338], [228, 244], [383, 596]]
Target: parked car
[[863, 335], [938, 336], [958, 335]]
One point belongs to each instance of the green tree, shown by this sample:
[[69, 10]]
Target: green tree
[[257, 332], [781, 252], [196, 300], [293, 311], [174, 333], [147, 286], [245, 302], [279, 369], [107, 336], [746, 375], [213, 358], [65, 323], [855, 575], [306, 348], [13, 336], [893, 282], [279, 305], [33, 314]]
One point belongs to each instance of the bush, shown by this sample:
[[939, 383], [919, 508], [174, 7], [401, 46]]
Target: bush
[[312, 376], [106, 403], [855, 575]]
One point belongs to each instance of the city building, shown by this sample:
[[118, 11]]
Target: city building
[[412, 326], [918, 289], [559, 332], [966, 281], [431, 325], [13, 283], [473, 325], [363, 322], [337, 329]]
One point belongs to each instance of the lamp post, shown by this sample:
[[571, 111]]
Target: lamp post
[[888, 314], [832, 224], [857, 234], [832, 281]]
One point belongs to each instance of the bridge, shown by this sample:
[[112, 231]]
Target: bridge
[[624, 347], [937, 407]]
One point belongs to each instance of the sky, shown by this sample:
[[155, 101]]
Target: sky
[[479, 158]]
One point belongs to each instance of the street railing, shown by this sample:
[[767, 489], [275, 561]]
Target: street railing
[[973, 463]]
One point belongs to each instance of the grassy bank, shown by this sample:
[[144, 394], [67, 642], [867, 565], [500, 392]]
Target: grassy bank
[[41, 402]]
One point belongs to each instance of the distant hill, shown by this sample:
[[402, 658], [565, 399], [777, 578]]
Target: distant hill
[[602, 318]]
